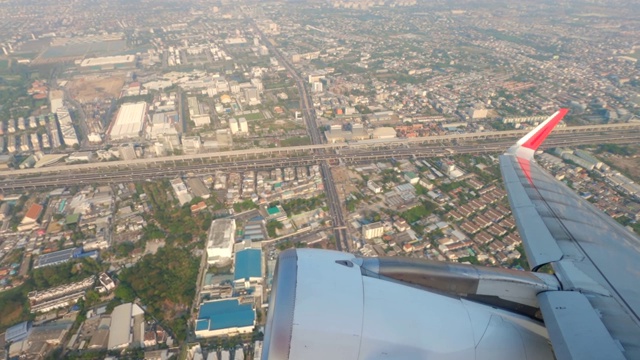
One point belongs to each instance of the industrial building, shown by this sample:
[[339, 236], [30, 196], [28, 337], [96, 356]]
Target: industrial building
[[68, 132], [127, 326], [163, 124], [40, 340], [579, 161], [254, 229], [225, 317], [248, 268], [18, 332], [197, 113], [109, 62], [191, 144], [384, 133], [62, 256], [220, 241], [129, 122], [588, 158], [198, 188], [80, 156]]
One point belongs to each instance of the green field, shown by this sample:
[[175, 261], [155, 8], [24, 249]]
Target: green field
[[251, 117]]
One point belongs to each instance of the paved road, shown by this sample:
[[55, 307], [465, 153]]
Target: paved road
[[89, 176], [619, 131], [309, 115]]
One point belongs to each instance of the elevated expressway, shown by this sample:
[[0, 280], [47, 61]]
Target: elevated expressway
[[578, 134], [264, 159]]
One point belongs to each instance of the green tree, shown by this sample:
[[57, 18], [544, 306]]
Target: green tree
[[123, 249], [167, 287], [272, 225], [91, 298]]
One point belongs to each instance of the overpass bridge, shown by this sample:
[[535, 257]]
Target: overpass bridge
[[197, 168], [608, 131]]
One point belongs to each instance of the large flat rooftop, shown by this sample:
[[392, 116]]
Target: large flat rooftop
[[224, 314], [129, 122], [108, 60], [221, 233], [248, 264], [54, 258]]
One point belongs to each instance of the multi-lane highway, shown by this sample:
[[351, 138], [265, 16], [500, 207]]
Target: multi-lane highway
[[609, 131], [196, 168], [309, 115]]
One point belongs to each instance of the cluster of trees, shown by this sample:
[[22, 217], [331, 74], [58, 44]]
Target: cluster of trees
[[615, 149], [178, 223], [297, 206], [272, 225], [416, 213], [421, 190], [451, 186], [625, 221], [68, 272], [14, 100], [244, 205], [152, 232], [165, 282], [13, 303], [13, 307], [148, 98]]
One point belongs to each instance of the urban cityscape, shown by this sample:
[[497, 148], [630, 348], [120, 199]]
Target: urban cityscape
[[157, 157]]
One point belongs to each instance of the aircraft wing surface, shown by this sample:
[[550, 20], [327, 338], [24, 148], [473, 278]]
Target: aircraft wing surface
[[597, 261]]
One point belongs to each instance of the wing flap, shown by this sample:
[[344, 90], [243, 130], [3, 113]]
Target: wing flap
[[593, 256], [575, 329], [539, 243]]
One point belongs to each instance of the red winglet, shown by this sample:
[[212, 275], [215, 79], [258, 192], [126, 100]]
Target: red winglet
[[538, 137], [526, 147]]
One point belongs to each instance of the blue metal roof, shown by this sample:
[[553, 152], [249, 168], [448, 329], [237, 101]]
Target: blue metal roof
[[248, 264], [18, 332], [223, 314]]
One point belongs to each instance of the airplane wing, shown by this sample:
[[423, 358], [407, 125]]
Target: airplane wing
[[596, 260], [335, 305]]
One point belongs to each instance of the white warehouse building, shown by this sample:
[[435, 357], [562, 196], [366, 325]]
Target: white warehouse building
[[220, 241], [129, 122], [127, 327]]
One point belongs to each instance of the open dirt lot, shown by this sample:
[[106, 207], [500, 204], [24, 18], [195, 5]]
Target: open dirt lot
[[343, 179], [89, 88], [629, 165]]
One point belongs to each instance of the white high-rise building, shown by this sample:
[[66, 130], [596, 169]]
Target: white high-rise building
[[220, 241], [233, 125], [372, 230], [242, 124]]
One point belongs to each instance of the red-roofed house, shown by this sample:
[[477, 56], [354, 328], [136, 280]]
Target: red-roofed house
[[30, 218]]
